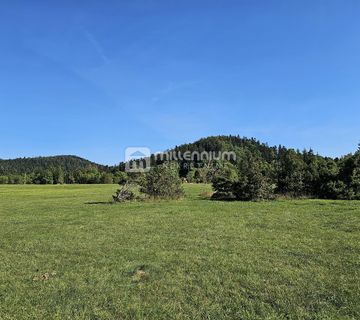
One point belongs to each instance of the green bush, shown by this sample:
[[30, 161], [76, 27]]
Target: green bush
[[224, 180], [248, 181], [163, 182], [120, 177]]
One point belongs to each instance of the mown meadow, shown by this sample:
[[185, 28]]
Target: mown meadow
[[67, 252]]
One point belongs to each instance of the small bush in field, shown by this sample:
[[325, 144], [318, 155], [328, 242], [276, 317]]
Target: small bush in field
[[163, 182]]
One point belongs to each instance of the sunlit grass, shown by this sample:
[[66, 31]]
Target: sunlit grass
[[67, 253]]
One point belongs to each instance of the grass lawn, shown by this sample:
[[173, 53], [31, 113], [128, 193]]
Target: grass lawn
[[65, 253]]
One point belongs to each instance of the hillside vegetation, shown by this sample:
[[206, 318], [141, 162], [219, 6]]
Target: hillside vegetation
[[51, 170], [257, 171], [28, 165], [263, 172]]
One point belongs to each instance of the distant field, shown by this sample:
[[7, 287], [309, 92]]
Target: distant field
[[65, 253]]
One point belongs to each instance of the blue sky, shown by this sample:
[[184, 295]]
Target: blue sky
[[94, 77]]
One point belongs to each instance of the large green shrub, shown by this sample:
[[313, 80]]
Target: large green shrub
[[248, 181], [253, 183], [163, 182]]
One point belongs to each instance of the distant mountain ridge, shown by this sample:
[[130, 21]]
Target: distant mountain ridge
[[72, 163], [255, 171], [29, 165]]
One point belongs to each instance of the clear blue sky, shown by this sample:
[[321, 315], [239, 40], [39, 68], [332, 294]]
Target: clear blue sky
[[93, 77]]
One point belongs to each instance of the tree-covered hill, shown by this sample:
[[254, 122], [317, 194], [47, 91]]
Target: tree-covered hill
[[53, 170], [68, 163], [258, 171], [235, 144], [261, 171]]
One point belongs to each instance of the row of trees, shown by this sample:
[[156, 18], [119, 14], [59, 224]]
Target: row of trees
[[57, 175], [257, 172], [252, 177], [292, 174], [263, 172]]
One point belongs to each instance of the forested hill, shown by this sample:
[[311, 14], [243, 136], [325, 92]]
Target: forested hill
[[236, 144], [68, 163], [257, 172], [260, 171]]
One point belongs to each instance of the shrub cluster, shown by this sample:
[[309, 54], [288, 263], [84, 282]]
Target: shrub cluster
[[161, 182], [292, 174]]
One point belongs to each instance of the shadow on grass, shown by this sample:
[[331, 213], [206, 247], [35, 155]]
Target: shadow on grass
[[225, 200], [100, 202], [215, 199]]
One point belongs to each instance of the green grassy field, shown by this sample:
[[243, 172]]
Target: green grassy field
[[66, 253]]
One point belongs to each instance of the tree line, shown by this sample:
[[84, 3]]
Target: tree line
[[57, 175], [263, 172], [56, 170], [258, 172], [293, 174]]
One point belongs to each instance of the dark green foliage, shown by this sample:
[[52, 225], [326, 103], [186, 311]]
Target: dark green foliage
[[43, 177], [106, 178], [253, 182], [248, 181], [136, 178], [54, 170], [90, 175], [69, 178], [349, 174], [163, 182], [190, 177], [263, 172], [198, 175], [334, 189], [58, 175], [224, 180], [290, 173], [30, 165], [120, 177]]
